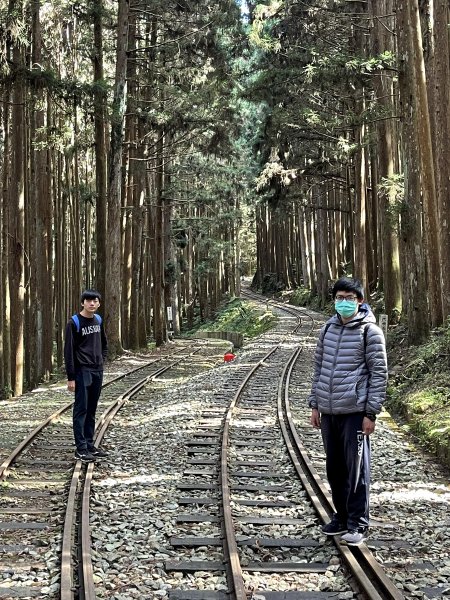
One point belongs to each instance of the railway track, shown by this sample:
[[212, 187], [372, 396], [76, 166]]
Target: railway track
[[40, 493], [242, 494], [254, 421]]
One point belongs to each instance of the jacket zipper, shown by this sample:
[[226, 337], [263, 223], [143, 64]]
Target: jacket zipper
[[332, 370]]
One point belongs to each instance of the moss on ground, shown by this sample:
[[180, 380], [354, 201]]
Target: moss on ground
[[302, 296], [239, 316], [419, 388]]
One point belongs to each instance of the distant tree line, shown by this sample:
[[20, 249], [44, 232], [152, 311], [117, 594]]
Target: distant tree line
[[117, 166], [158, 150], [354, 160]]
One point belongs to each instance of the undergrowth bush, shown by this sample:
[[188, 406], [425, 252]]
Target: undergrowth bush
[[302, 296], [240, 317], [419, 387]]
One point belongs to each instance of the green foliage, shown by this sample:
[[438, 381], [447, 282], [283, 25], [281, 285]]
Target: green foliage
[[302, 296], [264, 19], [13, 29], [310, 87], [393, 188], [419, 387], [170, 272], [241, 317]]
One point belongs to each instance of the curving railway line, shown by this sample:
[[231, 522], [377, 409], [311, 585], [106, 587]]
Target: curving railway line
[[246, 425], [37, 482], [233, 509]]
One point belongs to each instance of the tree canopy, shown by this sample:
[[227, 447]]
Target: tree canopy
[[159, 150]]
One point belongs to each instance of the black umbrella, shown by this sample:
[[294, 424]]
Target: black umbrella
[[361, 444]]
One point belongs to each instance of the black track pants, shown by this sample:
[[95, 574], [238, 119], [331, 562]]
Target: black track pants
[[88, 385], [348, 467]]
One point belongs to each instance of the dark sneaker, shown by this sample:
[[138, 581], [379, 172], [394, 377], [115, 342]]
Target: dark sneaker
[[97, 452], [334, 527], [355, 537], [85, 456]]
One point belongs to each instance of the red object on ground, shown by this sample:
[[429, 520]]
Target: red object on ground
[[229, 356]]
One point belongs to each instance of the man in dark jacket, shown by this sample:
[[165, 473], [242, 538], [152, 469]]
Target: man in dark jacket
[[348, 390], [85, 350]]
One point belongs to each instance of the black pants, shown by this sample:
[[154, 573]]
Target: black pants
[[88, 385], [348, 467]]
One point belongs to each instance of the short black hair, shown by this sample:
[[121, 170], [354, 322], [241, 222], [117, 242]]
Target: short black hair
[[90, 295], [347, 284]]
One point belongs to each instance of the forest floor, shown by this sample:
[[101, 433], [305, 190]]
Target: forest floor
[[419, 388]]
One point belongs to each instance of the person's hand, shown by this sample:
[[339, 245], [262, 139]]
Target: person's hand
[[368, 426], [71, 385], [315, 418]]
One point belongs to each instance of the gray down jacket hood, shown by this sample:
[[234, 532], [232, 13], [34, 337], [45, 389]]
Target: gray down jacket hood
[[350, 373]]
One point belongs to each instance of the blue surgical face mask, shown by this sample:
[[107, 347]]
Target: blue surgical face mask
[[346, 308]]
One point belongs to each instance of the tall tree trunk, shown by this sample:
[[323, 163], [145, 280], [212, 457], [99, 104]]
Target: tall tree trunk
[[113, 287], [442, 137], [17, 226], [413, 264], [360, 268], [422, 120], [100, 148], [6, 387], [129, 166], [170, 267], [311, 221], [321, 246], [382, 41], [360, 173], [137, 257], [75, 228], [304, 248], [189, 272], [43, 216], [159, 319]]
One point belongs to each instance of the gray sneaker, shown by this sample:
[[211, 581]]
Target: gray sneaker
[[355, 537]]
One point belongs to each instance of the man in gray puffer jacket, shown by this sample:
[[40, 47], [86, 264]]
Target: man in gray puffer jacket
[[348, 390]]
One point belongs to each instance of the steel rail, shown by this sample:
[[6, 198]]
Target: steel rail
[[230, 546], [323, 502], [233, 568], [359, 559], [87, 586], [9, 460], [69, 518], [295, 311], [6, 464]]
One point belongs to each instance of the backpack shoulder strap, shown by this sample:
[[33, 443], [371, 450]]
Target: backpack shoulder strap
[[366, 329], [98, 318], [76, 320], [365, 332], [327, 327]]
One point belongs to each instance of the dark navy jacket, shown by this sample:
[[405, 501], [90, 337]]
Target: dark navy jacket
[[86, 349]]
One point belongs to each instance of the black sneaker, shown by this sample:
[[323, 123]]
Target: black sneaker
[[85, 456], [97, 452], [334, 527], [355, 537]]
